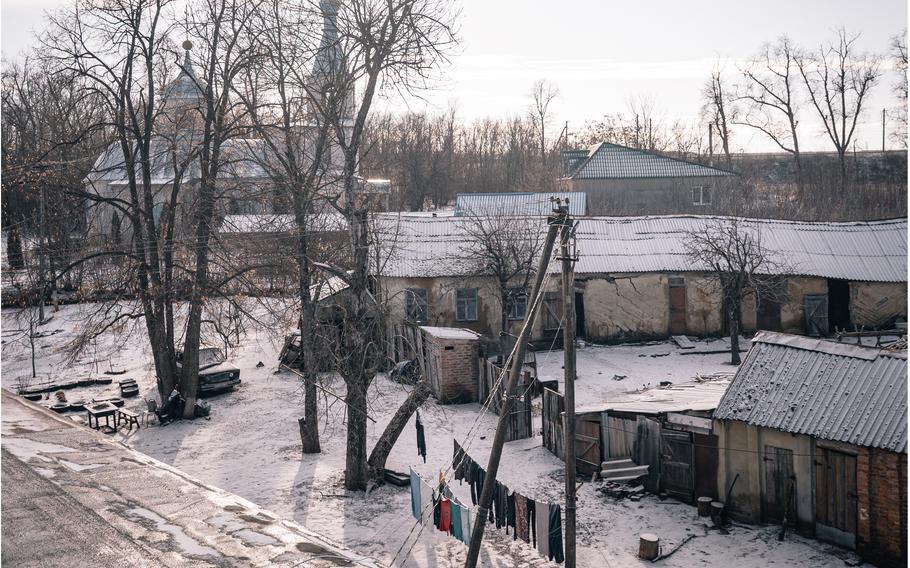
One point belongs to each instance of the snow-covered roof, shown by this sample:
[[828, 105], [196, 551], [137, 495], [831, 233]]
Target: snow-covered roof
[[280, 223], [612, 161], [450, 332], [827, 390], [518, 203], [874, 251], [682, 397]]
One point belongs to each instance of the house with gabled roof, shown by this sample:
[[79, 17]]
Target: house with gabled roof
[[619, 180]]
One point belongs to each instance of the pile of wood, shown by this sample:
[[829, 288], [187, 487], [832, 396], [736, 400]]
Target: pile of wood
[[622, 490]]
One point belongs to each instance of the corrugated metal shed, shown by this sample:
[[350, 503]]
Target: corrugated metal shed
[[517, 203], [612, 161], [862, 251], [831, 391]]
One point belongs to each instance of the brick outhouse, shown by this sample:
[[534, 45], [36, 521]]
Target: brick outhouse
[[450, 363]]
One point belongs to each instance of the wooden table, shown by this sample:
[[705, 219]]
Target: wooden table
[[101, 410]]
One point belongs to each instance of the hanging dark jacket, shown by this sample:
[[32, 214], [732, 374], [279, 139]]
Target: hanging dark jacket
[[532, 520], [555, 525], [421, 440], [510, 515]]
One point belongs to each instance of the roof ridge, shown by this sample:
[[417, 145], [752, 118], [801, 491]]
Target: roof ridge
[[819, 345]]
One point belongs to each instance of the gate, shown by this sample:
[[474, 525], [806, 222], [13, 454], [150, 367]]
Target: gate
[[551, 415], [676, 464], [518, 426], [779, 496], [816, 307], [587, 446]]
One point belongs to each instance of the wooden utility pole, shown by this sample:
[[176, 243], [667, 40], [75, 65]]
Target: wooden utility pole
[[556, 221], [41, 263], [567, 257], [883, 130]]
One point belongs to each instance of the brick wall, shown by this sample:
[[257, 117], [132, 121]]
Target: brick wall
[[457, 369], [881, 486]]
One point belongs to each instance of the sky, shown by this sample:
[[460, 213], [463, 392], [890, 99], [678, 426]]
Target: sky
[[602, 54]]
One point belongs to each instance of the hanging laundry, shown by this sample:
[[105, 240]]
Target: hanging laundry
[[521, 517], [466, 525], [415, 495], [555, 529], [543, 530], [421, 440], [456, 521], [445, 515], [459, 463], [510, 515], [426, 502], [532, 520]]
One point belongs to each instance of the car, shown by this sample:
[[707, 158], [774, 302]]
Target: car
[[215, 375]]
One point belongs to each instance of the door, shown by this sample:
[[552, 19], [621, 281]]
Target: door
[[587, 446], [705, 452], [768, 314], [835, 496], [676, 464], [552, 315], [816, 307], [579, 315], [677, 306], [839, 305], [779, 496]]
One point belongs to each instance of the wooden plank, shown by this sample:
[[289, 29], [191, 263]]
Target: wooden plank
[[850, 493], [682, 342]]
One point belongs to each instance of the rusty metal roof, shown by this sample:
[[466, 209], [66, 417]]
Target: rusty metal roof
[[831, 391], [612, 161], [517, 203], [874, 251]]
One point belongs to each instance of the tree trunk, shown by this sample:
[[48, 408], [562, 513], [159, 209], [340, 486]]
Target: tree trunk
[[386, 442], [356, 458], [734, 309]]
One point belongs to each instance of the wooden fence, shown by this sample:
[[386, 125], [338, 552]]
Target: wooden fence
[[519, 424]]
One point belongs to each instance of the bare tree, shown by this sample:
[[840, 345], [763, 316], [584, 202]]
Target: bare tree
[[394, 44], [542, 95], [838, 80], [718, 109], [899, 55], [506, 247], [770, 93], [742, 265]]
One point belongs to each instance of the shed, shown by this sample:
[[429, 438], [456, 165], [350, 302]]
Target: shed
[[817, 433], [448, 357]]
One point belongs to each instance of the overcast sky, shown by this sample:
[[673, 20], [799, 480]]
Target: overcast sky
[[600, 54]]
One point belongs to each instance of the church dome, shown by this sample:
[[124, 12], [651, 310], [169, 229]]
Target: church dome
[[186, 86]]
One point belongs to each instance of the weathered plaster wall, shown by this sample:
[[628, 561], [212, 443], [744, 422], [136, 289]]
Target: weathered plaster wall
[[872, 304], [792, 312], [627, 307]]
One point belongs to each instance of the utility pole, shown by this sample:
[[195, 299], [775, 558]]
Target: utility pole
[[710, 144], [883, 131], [41, 276], [556, 221], [567, 256]]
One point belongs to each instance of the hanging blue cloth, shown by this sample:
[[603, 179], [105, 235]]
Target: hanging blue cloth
[[415, 495], [456, 520]]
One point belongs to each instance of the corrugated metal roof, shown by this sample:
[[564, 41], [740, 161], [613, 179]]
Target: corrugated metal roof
[[682, 397], [517, 203], [275, 223], [843, 393], [612, 161], [874, 251]]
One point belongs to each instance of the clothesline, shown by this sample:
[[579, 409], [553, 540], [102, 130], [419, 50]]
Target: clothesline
[[534, 522], [440, 508]]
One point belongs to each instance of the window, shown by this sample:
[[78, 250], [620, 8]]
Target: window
[[416, 305], [466, 304], [517, 303], [701, 195]]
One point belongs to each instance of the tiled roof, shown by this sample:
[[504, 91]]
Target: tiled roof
[[517, 203], [611, 161], [874, 251], [831, 391]]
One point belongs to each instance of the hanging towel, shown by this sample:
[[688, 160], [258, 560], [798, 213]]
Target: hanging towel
[[532, 520], [521, 517], [510, 515], [426, 502], [415, 495], [456, 521], [555, 534], [421, 440], [543, 529], [466, 525], [445, 515]]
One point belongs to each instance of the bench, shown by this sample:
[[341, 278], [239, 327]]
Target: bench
[[129, 417]]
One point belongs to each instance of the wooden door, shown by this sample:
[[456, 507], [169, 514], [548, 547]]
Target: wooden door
[[835, 495], [816, 307], [587, 446], [677, 464], [706, 462], [779, 496], [551, 416], [677, 309]]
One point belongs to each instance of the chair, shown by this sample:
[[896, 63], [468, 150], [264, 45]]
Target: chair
[[152, 410]]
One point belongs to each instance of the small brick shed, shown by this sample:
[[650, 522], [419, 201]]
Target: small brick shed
[[449, 363]]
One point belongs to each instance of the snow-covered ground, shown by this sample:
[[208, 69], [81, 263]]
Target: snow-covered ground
[[251, 447]]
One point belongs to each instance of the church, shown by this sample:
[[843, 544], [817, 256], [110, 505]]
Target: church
[[247, 201]]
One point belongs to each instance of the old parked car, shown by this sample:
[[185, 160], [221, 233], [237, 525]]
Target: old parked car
[[215, 375]]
